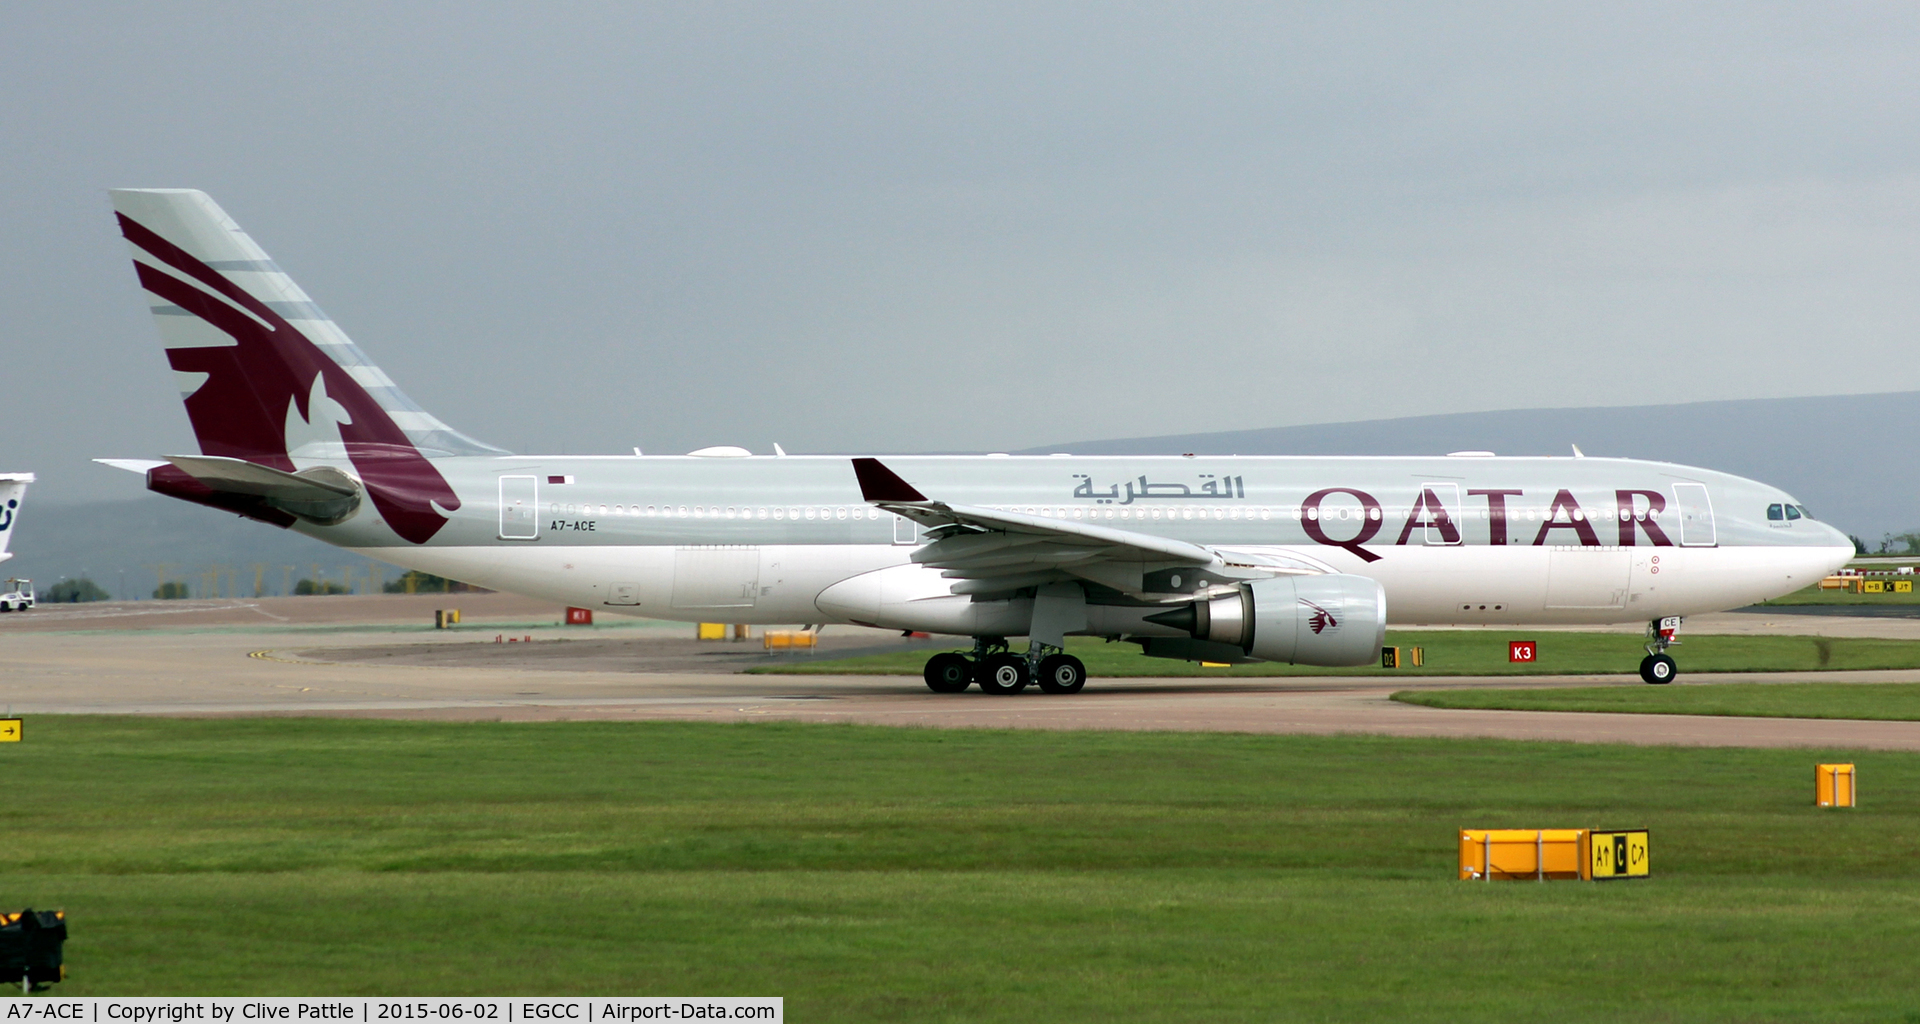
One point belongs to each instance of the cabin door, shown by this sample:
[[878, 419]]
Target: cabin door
[[1695, 511], [519, 508]]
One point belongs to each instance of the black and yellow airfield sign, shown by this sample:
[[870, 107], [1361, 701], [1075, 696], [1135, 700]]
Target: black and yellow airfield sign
[[1619, 853], [9, 730]]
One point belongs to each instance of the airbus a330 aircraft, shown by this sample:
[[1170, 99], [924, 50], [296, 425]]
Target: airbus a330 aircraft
[[1302, 560]]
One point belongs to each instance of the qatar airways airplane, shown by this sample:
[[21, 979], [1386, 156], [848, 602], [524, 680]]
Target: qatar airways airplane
[[1302, 560]]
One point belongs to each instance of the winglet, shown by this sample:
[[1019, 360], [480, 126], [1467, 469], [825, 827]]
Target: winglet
[[878, 483]]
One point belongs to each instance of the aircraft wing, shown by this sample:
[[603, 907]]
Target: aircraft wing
[[993, 552]]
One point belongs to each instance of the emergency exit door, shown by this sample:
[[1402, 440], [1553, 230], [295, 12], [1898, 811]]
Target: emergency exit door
[[519, 508], [1696, 515]]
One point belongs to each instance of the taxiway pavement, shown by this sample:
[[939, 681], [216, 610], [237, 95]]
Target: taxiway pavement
[[363, 657]]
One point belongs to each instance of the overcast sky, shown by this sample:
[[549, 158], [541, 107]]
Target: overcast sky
[[896, 227]]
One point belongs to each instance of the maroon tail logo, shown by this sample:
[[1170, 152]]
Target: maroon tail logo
[[1321, 620], [254, 387]]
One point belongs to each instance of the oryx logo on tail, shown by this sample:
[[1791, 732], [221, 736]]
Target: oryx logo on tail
[[260, 389]]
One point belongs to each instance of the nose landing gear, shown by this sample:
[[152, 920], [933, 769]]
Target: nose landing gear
[[1657, 667]]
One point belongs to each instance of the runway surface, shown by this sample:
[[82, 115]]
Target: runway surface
[[363, 657]]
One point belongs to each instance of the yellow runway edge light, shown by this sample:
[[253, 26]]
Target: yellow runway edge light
[[1834, 785], [1520, 853], [787, 639]]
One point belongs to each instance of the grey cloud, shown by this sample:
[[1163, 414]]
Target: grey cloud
[[949, 227]]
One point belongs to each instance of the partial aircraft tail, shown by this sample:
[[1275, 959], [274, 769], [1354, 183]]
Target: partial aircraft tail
[[13, 490], [253, 355], [267, 378]]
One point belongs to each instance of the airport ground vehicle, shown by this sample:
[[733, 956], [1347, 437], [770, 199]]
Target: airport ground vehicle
[[1218, 559], [16, 595]]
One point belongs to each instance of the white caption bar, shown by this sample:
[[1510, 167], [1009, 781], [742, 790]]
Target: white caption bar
[[516, 1010]]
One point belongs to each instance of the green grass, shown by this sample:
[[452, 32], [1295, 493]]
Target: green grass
[[1814, 595], [1465, 652], [1881, 701], [902, 874]]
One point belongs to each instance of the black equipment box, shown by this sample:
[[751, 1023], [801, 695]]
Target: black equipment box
[[30, 946]]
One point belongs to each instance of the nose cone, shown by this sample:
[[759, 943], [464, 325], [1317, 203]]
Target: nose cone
[[1840, 547], [1831, 552]]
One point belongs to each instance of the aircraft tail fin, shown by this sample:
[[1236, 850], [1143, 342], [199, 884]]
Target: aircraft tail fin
[[266, 376], [246, 342], [13, 490]]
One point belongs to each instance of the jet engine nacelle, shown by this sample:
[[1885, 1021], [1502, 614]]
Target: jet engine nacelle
[[1332, 620]]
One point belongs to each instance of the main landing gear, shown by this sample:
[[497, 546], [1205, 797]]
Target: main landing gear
[[1657, 667], [1003, 673]]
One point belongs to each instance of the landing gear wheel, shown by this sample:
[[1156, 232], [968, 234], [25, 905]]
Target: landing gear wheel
[[949, 673], [1658, 669], [1061, 673], [1003, 674]]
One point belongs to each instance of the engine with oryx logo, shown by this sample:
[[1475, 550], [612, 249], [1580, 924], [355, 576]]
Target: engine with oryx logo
[[1333, 619]]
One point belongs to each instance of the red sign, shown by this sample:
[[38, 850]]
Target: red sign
[[1520, 650], [579, 616]]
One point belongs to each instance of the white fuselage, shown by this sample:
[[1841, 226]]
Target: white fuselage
[[789, 540]]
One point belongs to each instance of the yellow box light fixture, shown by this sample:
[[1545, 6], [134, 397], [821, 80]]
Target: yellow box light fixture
[[1833, 785], [711, 631], [787, 639], [1520, 853]]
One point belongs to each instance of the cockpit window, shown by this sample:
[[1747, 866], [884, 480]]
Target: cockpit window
[[1793, 512], [1774, 513]]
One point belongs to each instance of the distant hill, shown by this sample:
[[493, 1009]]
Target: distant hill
[[1854, 459], [101, 540]]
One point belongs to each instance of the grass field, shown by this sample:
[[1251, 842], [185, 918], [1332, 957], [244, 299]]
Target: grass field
[[1815, 595], [1467, 652], [1883, 701], [902, 874]]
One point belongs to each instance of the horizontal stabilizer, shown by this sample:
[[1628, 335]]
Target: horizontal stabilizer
[[238, 476], [139, 466], [320, 495]]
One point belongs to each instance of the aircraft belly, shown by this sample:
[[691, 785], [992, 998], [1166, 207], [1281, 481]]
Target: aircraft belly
[[664, 582]]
